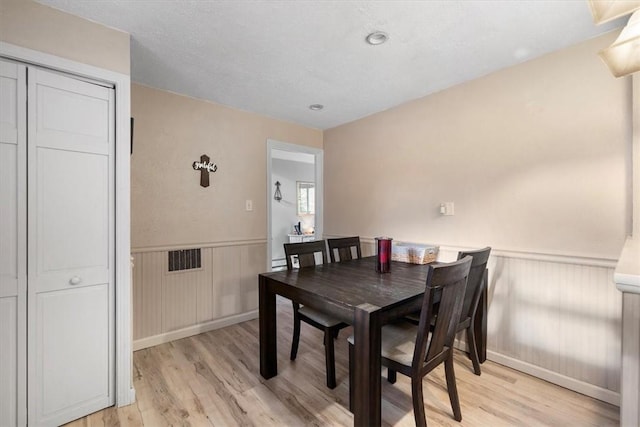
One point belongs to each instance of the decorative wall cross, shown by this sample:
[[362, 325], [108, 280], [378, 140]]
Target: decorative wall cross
[[204, 166]]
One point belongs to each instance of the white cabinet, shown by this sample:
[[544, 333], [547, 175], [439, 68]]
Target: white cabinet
[[57, 228], [299, 238]]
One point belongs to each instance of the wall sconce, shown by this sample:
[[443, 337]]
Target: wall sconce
[[623, 56], [278, 194]]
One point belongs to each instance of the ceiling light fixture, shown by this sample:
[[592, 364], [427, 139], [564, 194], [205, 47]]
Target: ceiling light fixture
[[316, 107], [623, 56], [377, 37]]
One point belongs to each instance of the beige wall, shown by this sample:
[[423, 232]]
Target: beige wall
[[32, 25], [535, 158], [171, 132]]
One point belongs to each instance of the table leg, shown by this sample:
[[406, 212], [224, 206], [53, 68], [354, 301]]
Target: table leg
[[366, 405], [480, 330], [267, 314]]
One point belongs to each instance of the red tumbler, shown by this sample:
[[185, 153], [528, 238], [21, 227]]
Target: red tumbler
[[383, 254]]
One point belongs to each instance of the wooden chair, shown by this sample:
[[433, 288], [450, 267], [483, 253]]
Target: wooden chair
[[415, 350], [343, 247], [478, 277], [305, 252]]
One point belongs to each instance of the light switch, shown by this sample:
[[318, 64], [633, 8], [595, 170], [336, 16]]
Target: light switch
[[248, 205]]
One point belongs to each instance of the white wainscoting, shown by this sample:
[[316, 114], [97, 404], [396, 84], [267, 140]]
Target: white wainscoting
[[562, 317], [172, 305], [552, 316]]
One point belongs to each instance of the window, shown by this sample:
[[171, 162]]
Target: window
[[306, 198]]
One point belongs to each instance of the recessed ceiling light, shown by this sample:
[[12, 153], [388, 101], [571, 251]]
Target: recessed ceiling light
[[377, 37], [316, 107]]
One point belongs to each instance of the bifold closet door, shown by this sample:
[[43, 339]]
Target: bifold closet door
[[13, 247], [70, 182]]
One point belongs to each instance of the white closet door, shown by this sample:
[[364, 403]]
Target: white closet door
[[70, 248], [13, 248]]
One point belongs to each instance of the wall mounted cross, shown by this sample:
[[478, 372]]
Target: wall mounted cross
[[204, 166]]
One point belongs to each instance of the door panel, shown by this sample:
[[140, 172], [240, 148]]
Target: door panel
[[73, 225], [8, 361], [71, 118], [9, 96], [8, 218], [68, 366], [11, 152], [70, 247], [13, 277]]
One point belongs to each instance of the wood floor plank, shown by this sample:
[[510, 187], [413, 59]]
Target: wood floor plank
[[213, 379]]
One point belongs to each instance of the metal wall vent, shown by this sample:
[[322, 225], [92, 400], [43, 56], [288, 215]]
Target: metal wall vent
[[186, 259]]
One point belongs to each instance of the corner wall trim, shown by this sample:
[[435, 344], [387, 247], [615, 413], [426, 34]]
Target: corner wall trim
[[193, 330], [555, 378]]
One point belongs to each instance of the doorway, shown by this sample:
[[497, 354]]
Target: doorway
[[295, 214]]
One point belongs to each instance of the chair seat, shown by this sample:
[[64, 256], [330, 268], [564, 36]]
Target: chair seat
[[319, 317], [398, 342]]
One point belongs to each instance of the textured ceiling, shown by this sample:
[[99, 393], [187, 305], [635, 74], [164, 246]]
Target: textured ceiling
[[276, 57]]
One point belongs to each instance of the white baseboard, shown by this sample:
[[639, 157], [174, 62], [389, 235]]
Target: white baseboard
[[194, 330], [550, 376], [555, 378], [131, 399], [132, 395]]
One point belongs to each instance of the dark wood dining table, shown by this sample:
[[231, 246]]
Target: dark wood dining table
[[355, 293]]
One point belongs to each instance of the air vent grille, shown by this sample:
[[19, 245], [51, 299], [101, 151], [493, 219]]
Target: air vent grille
[[186, 259]]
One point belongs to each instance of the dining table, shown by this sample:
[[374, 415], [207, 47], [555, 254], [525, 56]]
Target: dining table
[[353, 292]]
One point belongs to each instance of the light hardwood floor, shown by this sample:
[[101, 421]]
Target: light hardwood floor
[[213, 379]]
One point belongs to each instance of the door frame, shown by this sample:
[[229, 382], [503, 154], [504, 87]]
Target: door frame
[[318, 153], [124, 391]]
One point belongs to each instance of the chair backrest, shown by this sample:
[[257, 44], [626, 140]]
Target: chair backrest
[[441, 308], [476, 282], [305, 252], [343, 246]]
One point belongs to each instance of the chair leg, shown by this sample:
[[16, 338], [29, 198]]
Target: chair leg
[[418, 402], [351, 378], [451, 387], [335, 333], [473, 350], [296, 335], [391, 376], [330, 358]]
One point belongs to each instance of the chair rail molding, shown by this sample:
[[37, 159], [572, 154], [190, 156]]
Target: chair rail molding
[[217, 244]]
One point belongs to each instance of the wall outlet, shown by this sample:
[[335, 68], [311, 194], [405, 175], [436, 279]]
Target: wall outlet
[[248, 205], [446, 208]]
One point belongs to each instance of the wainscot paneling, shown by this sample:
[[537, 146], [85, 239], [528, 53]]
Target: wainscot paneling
[[172, 305], [148, 270], [562, 317], [553, 316]]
